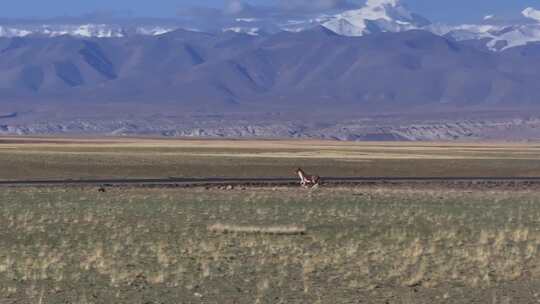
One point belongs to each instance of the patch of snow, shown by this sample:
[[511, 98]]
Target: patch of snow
[[153, 31], [13, 32], [247, 19], [344, 27], [254, 31]]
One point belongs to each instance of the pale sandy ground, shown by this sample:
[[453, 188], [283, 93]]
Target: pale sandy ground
[[272, 148]]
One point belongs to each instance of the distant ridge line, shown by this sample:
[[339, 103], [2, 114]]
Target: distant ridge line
[[8, 115]]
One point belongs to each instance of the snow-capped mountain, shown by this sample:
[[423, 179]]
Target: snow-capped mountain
[[13, 32], [81, 30], [497, 35], [375, 16], [391, 16], [513, 36]]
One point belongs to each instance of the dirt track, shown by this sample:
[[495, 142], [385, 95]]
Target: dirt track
[[454, 182]]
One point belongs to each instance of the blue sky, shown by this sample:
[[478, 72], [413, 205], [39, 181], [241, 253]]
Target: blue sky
[[449, 11]]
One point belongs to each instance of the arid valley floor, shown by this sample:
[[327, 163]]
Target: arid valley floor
[[410, 243]]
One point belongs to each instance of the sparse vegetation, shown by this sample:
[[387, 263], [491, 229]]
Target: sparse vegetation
[[378, 244], [120, 158], [366, 244]]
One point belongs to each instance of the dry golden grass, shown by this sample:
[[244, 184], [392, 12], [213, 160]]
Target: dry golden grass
[[373, 244], [36, 158], [277, 230]]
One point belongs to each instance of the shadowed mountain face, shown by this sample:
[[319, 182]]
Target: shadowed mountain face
[[289, 71]]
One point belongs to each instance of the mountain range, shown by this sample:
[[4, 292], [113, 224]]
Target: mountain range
[[236, 71], [375, 16], [378, 60]]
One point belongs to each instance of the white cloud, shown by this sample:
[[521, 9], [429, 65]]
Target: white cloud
[[314, 5], [532, 13], [489, 17], [378, 3], [234, 7]]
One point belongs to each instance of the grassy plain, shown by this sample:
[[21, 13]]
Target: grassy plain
[[35, 158], [363, 245], [267, 245]]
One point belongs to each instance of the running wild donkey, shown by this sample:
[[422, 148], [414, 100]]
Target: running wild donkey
[[307, 180]]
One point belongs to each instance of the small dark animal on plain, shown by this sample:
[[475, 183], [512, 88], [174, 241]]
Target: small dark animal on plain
[[102, 190]]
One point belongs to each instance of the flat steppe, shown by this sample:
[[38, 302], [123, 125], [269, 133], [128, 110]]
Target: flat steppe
[[357, 244], [39, 158]]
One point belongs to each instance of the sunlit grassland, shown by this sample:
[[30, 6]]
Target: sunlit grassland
[[28, 158], [368, 244]]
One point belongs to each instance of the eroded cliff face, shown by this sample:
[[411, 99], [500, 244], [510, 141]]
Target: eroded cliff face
[[367, 129]]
